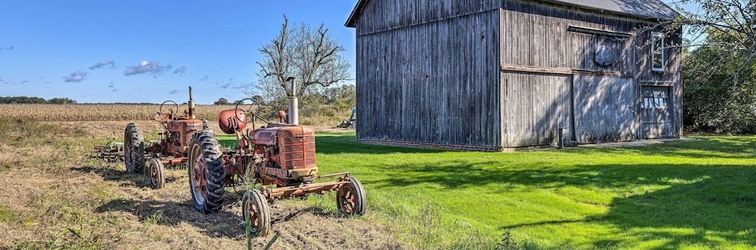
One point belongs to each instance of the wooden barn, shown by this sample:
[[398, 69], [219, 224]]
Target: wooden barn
[[500, 74]]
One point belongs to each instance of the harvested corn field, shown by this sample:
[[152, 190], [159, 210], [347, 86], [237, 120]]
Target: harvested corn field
[[100, 112]]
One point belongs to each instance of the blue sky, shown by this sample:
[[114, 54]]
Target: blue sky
[[148, 51]]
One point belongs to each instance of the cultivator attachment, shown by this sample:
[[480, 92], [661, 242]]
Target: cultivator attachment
[[311, 188], [111, 152]]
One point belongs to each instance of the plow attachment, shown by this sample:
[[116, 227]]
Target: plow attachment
[[111, 152]]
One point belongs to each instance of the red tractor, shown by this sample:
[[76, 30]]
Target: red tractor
[[171, 149], [277, 160]]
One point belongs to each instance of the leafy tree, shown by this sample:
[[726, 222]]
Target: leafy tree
[[718, 72], [221, 101], [33, 100], [61, 101]]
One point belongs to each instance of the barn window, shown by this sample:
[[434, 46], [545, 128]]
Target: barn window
[[657, 51], [655, 98]]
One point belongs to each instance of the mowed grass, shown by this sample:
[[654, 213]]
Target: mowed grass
[[698, 194]]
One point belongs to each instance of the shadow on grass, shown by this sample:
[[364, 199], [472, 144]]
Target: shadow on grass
[[704, 147], [689, 204], [707, 147], [223, 224], [136, 179], [693, 205], [708, 212], [110, 174]]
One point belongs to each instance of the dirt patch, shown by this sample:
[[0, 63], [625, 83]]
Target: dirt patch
[[64, 201]]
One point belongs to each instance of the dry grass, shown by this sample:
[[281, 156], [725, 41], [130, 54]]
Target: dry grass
[[322, 118], [55, 197], [100, 112]]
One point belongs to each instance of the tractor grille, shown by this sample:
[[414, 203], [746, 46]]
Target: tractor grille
[[298, 149]]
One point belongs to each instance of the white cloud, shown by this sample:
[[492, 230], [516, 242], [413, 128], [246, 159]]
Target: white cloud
[[180, 70], [103, 64], [145, 67], [77, 76], [233, 85]]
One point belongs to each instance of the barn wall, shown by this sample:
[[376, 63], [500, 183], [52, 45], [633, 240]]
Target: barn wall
[[537, 106], [383, 15], [604, 109], [537, 44], [434, 82], [537, 35], [660, 125], [509, 73]]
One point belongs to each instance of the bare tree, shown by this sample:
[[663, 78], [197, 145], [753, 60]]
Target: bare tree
[[300, 51]]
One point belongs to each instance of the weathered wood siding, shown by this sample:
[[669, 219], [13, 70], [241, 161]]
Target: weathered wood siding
[[536, 35], [536, 42], [535, 107], [655, 124], [510, 73], [432, 78], [384, 15], [604, 109]]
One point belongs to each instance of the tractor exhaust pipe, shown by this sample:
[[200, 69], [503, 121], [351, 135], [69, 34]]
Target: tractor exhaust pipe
[[191, 103], [293, 102]]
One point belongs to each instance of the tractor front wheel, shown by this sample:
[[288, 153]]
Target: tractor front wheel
[[133, 149], [157, 176], [256, 213], [350, 198], [206, 176]]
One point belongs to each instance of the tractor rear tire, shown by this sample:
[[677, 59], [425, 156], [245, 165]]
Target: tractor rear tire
[[255, 210], [350, 198], [133, 149], [206, 126], [157, 174], [207, 186]]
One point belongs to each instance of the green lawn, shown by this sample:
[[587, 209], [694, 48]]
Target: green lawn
[[697, 194]]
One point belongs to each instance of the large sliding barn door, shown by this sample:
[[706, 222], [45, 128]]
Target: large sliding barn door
[[604, 109], [535, 108]]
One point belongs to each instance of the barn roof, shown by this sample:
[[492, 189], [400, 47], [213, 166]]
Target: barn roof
[[653, 9], [649, 9]]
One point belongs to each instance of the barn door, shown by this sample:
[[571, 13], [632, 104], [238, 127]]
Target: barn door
[[535, 108], [604, 109], [656, 117]]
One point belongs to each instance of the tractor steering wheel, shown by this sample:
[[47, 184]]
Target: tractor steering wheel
[[249, 111], [168, 101]]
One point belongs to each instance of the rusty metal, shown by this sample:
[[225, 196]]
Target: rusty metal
[[111, 152], [300, 190], [171, 149], [278, 160], [232, 120]]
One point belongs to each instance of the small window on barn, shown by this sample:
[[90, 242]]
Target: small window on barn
[[657, 51], [655, 98]]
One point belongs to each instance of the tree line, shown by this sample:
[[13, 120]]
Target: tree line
[[34, 100]]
